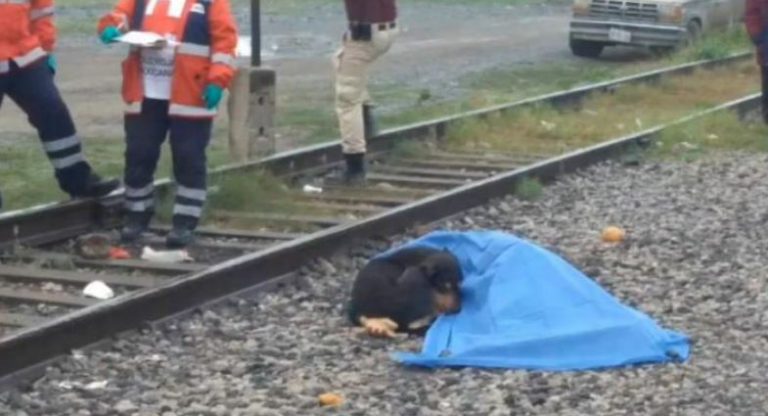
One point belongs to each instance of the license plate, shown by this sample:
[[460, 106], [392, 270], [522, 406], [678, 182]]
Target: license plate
[[618, 35]]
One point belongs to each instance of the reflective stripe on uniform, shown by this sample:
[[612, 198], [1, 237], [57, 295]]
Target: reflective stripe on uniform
[[139, 192], [139, 206], [67, 161], [191, 193], [35, 14], [190, 111], [61, 144], [4, 67], [187, 210], [133, 108], [223, 58], [194, 49], [30, 57]]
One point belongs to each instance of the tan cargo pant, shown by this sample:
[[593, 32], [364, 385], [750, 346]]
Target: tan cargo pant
[[352, 63]]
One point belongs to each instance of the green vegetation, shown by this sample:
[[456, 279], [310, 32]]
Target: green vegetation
[[632, 108], [529, 189], [24, 166], [720, 131]]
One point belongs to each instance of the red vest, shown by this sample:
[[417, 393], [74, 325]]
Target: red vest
[[206, 55], [27, 32]]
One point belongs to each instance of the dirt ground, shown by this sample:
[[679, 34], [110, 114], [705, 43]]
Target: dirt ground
[[438, 45]]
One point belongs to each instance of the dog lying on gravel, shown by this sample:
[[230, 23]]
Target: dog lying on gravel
[[405, 291]]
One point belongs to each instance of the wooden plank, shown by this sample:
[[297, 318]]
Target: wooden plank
[[155, 267], [518, 159], [59, 276], [373, 189], [387, 201], [459, 164], [15, 320], [133, 264], [350, 206], [212, 245], [29, 296], [445, 173], [415, 180], [231, 233], [282, 218]]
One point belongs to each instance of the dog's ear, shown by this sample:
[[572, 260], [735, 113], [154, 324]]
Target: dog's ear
[[427, 269]]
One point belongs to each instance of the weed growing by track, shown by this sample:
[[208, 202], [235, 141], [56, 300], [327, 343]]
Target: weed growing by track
[[628, 109], [719, 131], [529, 189]]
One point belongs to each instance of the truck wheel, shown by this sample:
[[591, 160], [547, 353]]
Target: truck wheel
[[586, 48], [692, 33]]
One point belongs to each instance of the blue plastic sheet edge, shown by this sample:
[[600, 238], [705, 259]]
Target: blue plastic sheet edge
[[676, 344]]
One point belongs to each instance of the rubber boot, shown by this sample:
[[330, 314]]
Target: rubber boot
[[354, 175], [183, 232], [136, 223], [369, 122], [97, 187]]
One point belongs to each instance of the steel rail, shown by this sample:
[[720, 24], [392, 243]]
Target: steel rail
[[32, 346], [57, 221]]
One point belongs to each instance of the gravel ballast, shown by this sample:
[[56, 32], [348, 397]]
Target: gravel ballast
[[694, 260]]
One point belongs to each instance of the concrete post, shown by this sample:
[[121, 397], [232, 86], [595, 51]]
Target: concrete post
[[251, 108]]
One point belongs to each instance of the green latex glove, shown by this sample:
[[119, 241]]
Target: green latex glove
[[52, 64], [212, 95], [110, 34]]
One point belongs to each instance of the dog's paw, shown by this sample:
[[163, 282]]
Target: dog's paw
[[379, 327]]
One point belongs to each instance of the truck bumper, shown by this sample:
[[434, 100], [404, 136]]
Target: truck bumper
[[641, 34]]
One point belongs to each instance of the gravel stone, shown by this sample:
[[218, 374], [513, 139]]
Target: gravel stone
[[694, 259]]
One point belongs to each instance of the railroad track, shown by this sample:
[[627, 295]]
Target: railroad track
[[44, 315]]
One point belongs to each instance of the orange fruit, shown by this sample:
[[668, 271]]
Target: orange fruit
[[613, 234], [330, 399]]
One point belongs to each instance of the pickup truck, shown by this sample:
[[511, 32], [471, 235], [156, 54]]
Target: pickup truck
[[661, 25]]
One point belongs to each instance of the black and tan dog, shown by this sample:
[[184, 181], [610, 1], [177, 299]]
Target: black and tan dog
[[405, 291]]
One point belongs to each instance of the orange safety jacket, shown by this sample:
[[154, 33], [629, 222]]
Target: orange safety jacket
[[27, 32], [207, 34]]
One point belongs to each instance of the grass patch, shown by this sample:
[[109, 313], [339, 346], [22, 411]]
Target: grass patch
[[409, 149], [629, 109], [717, 45], [24, 166], [720, 131], [529, 189], [246, 192]]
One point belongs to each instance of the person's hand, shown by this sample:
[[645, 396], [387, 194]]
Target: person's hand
[[110, 34], [212, 95], [52, 65]]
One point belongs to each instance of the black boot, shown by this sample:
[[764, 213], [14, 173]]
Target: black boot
[[96, 187], [369, 122], [183, 232], [354, 175], [136, 223]]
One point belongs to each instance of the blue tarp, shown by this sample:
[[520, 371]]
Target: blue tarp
[[524, 307]]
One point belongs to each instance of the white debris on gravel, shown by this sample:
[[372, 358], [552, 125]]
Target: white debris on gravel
[[694, 259]]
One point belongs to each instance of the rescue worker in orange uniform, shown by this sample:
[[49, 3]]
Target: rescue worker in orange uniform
[[27, 67], [172, 90]]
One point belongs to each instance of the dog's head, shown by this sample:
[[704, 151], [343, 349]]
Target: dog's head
[[444, 275]]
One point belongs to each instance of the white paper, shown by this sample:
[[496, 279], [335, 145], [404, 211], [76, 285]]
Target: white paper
[[171, 256], [147, 39], [99, 290]]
